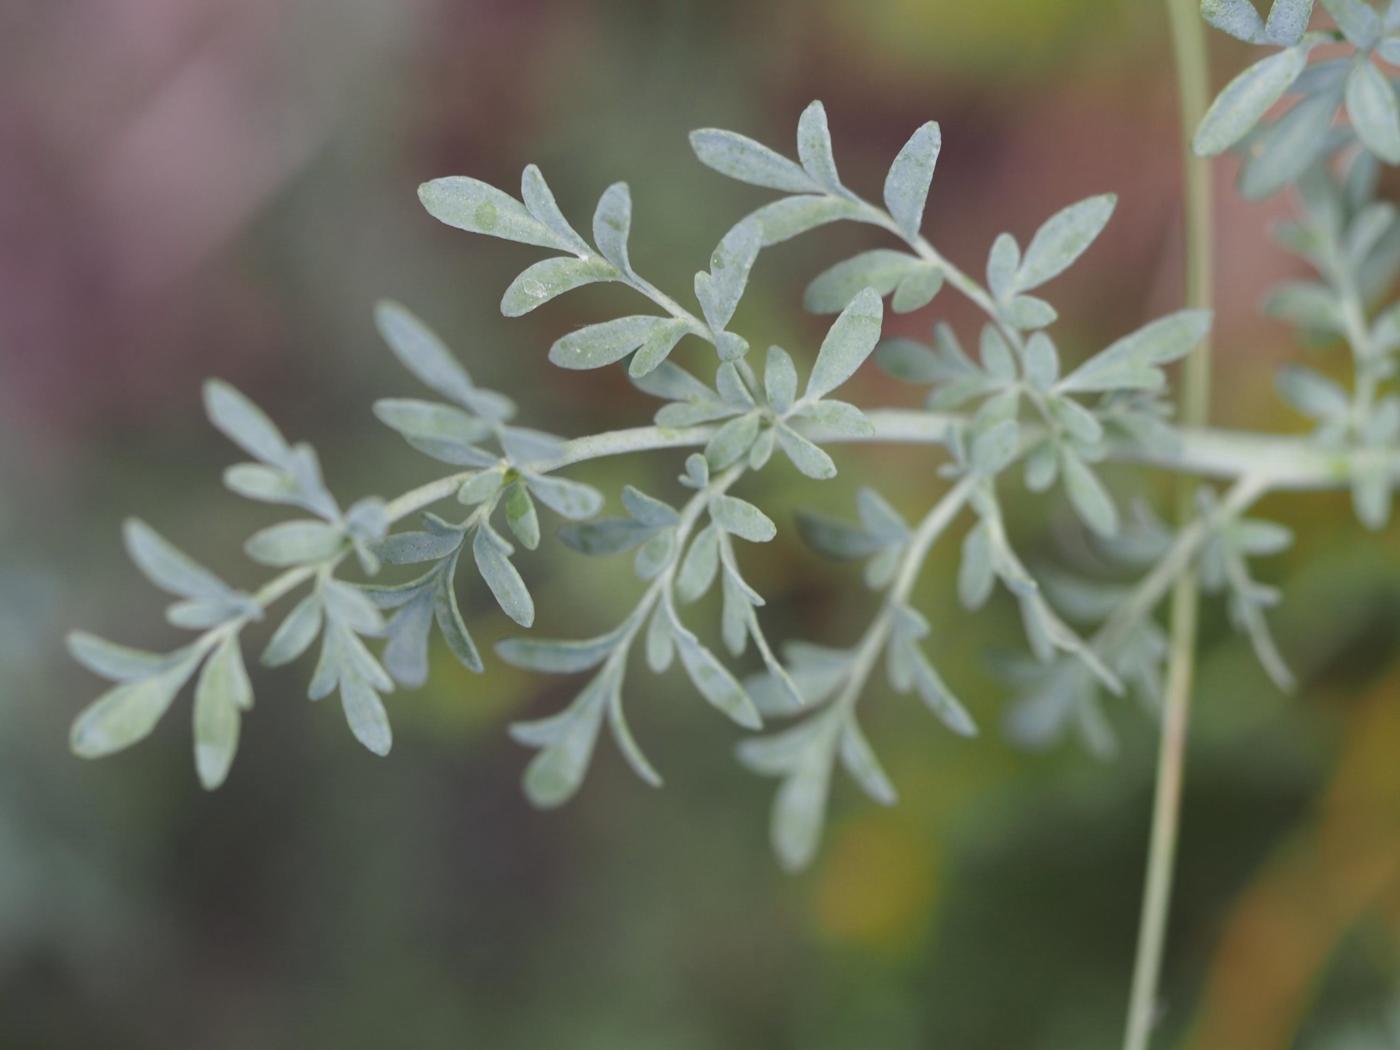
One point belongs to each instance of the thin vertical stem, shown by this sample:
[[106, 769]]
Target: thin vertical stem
[[1188, 44]]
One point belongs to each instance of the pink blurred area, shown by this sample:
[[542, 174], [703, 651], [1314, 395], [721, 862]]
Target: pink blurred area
[[134, 165], [143, 140]]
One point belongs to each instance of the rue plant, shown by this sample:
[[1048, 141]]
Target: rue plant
[[999, 403]]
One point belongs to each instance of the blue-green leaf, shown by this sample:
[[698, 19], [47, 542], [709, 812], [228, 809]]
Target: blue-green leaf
[[881, 269], [521, 516], [1133, 362], [711, 679], [906, 185], [295, 633], [602, 344], [222, 692], [118, 663], [805, 456], [658, 346], [295, 543], [548, 278], [612, 224], [472, 205], [1373, 109], [731, 441], [917, 288], [742, 518], [698, 568], [748, 161], [814, 147], [243, 423], [169, 568], [1283, 151], [1239, 18], [1357, 20], [1287, 21], [720, 290], [559, 657], [864, 768], [1312, 394], [994, 448], [1062, 239], [421, 352], [128, 712], [365, 714], [848, 343], [540, 203], [502, 578], [430, 422], [449, 620], [1002, 261], [779, 380], [405, 654], [1246, 99], [566, 741], [569, 499], [1091, 500], [787, 218]]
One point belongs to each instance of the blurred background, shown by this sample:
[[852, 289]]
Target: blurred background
[[196, 187]]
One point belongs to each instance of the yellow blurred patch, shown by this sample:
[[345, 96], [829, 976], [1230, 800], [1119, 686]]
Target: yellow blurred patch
[[1340, 867], [877, 884], [968, 36]]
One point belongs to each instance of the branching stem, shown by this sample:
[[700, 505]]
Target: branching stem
[[1287, 462], [1177, 558], [921, 541]]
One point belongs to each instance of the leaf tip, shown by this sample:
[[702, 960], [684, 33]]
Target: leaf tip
[[134, 530], [385, 310], [747, 716], [215, 387], [78, 741]]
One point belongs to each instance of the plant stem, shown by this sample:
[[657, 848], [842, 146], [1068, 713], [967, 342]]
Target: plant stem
[[1289, 462], [915, 554], [690, 514], [1187, 544], [1189, 48], [1292, 463]]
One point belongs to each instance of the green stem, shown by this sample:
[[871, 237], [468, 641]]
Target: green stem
[[1177, 559], [1288, 462], [925, 534], [1188, 44], [1292, 463], [690, 514], [1358, 335]]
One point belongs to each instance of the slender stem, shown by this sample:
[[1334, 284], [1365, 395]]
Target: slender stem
[[1189, 48], [967, 285], [284, 584], [1183, 550], [925, 534], [690, 514], [1363, 353], [667, 303], [638, 283], [1290, 462], [974, 292]]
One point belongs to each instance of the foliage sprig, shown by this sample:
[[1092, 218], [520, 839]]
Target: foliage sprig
[[1014, 412]]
